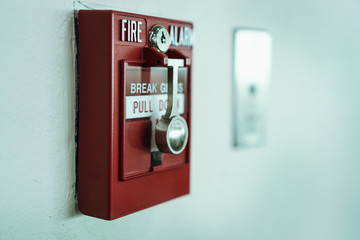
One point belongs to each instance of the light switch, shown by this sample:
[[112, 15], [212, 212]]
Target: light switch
[[252, 64]]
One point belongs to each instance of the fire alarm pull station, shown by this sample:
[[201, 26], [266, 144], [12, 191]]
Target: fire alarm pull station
[[134, 111]]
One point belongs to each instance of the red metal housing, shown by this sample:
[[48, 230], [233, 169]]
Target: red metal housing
[[115, 173]]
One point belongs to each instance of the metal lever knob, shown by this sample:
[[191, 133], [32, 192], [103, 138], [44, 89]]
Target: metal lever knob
[[171, 132]]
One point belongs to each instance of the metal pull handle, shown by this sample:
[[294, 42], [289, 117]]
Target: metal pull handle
[[171, 132], [173, 79]]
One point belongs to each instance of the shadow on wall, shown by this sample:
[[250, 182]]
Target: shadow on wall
[[72, 209]]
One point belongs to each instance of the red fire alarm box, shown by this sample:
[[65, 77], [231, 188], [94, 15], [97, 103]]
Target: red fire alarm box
[[134, 111]]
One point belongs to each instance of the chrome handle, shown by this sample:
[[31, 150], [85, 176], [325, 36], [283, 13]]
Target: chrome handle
[[171, 132]]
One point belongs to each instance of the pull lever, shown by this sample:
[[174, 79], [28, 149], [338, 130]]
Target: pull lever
[[171, 132]]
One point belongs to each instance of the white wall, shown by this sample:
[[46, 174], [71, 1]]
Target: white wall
[[304, 184]]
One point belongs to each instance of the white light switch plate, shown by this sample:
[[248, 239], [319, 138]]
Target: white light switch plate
[[252, 64]]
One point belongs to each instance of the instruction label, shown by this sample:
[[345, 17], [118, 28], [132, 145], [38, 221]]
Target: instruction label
[[146, 92]]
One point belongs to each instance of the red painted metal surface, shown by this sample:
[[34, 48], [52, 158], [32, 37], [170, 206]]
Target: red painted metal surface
[[115, 176]]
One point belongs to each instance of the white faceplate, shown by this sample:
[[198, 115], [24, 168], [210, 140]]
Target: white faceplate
[[252, 64]]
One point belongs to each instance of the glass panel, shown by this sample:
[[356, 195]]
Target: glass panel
[[146, 91]]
